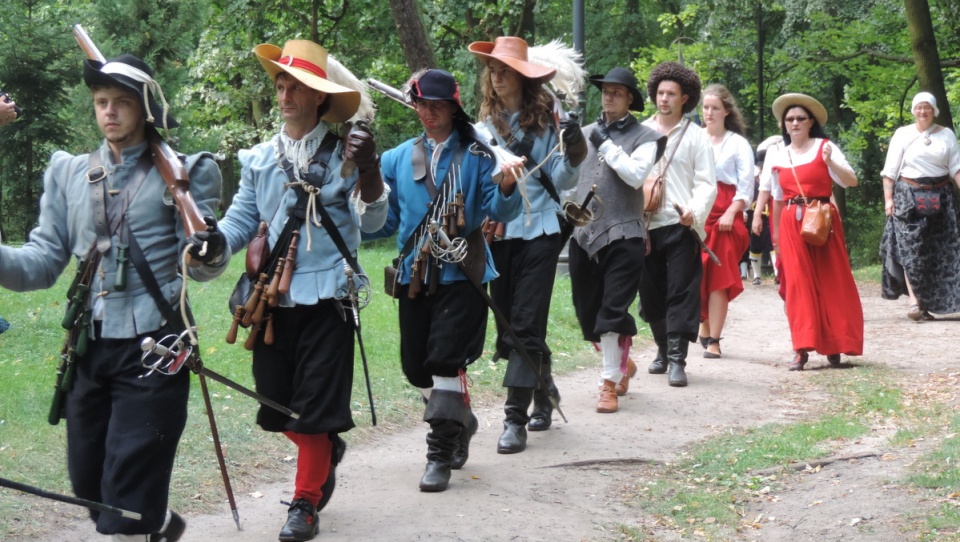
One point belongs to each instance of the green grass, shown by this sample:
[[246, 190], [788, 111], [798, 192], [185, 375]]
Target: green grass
[[33, 452], [939, 472], [868, 273], [707, 489]]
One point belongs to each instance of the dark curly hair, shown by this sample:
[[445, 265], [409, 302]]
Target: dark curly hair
[[685, 77]]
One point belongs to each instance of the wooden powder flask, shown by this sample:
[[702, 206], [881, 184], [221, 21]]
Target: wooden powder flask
[[461, 217], [416, 278], [253, 301], [288, 269], [273, 291], [234, 325], [252, 337], [268, 334], [261, 310]]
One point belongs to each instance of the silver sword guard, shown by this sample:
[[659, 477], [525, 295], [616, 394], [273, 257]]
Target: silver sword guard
[[166, 356]]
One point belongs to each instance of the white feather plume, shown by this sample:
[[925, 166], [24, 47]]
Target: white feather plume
[[337, 73], [571, 77]]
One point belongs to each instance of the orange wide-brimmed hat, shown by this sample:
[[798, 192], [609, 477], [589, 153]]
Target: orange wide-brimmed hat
[[511, 51], [306, 62]]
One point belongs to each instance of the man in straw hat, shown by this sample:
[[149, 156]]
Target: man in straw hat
[[606, 254], [303, 356], [517, 111], [122, 430], [672, 271], [445, 183]]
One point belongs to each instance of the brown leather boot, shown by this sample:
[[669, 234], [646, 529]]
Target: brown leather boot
[[624, 385], [608, 397]]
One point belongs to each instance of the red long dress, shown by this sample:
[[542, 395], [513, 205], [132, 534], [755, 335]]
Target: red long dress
[[822, 302], [729, 247]]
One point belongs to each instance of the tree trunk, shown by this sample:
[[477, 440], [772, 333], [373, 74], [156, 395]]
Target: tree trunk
[[926, 57], [413, 38]]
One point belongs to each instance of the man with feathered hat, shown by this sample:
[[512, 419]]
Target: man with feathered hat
[[122, 430], [672, 271], [606, 253], [303, 356], [445, 183], [518, 111]]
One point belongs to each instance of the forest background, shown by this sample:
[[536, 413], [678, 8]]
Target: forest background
[[863, 60]]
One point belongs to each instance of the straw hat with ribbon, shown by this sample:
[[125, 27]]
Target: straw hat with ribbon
[[130, 72], [306, 62], [511, 51], [785, 102]]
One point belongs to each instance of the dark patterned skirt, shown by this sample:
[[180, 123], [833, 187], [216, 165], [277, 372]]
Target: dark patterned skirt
[[923, 248]]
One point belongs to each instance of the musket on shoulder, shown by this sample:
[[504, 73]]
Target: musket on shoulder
[[171, 169]]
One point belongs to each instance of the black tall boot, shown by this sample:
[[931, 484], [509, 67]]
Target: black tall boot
[[514, 437], [659, 364], [542, 416], [677, 359], [463, 450], [447, 415]]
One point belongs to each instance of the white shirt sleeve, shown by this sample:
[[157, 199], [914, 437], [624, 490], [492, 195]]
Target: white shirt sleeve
[[633, 168]]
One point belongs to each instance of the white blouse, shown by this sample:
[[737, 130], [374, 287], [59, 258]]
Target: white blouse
[[778, 157], [940, 157], [733, 160]]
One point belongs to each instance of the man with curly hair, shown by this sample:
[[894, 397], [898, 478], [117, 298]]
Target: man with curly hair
[[670, 301]]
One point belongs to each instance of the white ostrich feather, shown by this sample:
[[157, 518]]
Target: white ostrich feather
[[337, 73], [571, 77], [769, 142]]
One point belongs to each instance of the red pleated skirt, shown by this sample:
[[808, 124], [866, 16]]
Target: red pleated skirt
[[729, 247]]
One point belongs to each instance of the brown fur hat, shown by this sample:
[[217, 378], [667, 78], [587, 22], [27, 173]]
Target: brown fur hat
[[685, 77]]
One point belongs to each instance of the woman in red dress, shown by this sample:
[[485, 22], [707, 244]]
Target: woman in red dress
[[822, 303], [727, 236]]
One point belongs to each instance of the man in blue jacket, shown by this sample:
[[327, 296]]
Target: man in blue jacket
[[445, 185], [122, 430]]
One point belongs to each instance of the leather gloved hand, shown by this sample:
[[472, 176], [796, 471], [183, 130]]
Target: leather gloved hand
[[214, 239], [575, 145], [361, 147], [599, 135]]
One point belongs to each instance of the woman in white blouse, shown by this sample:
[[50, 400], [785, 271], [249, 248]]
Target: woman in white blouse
[[727, 235], [920, 248], [822, 303]]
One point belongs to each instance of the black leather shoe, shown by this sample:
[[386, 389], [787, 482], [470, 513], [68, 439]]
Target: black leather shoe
[[436, 477], [659, 365], [677, 377], [513, 440], [834, 359], [174, 530], [303, 522], [463, 451]]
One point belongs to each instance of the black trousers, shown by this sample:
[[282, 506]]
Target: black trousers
[[523, 290], [122, 433], [441, 334], [604, 288], [670, 286], [308, 369]]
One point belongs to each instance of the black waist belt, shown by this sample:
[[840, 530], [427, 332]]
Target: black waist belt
[[927, 182], [800, 200]]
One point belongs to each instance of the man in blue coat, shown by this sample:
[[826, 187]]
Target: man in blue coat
[[122, 430], [445, 183]]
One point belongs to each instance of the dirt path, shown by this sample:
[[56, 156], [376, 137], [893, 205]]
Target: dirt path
[[538, 495]]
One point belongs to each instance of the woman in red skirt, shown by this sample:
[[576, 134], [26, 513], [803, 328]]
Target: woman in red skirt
[[727, 235], [822, 303]]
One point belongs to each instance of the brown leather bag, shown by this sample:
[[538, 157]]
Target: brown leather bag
[[654, 191], [258, 251], [817, 223]]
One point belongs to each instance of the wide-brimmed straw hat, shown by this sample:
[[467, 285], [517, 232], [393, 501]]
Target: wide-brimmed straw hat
[[625, 77], [133, 73], [781, 104], [306, 62], [511, 51]]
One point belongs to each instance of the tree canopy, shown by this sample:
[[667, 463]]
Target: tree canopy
[[862, 60]]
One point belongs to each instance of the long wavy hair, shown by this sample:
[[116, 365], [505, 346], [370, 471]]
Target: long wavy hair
[[536, 110], [734, 119]]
